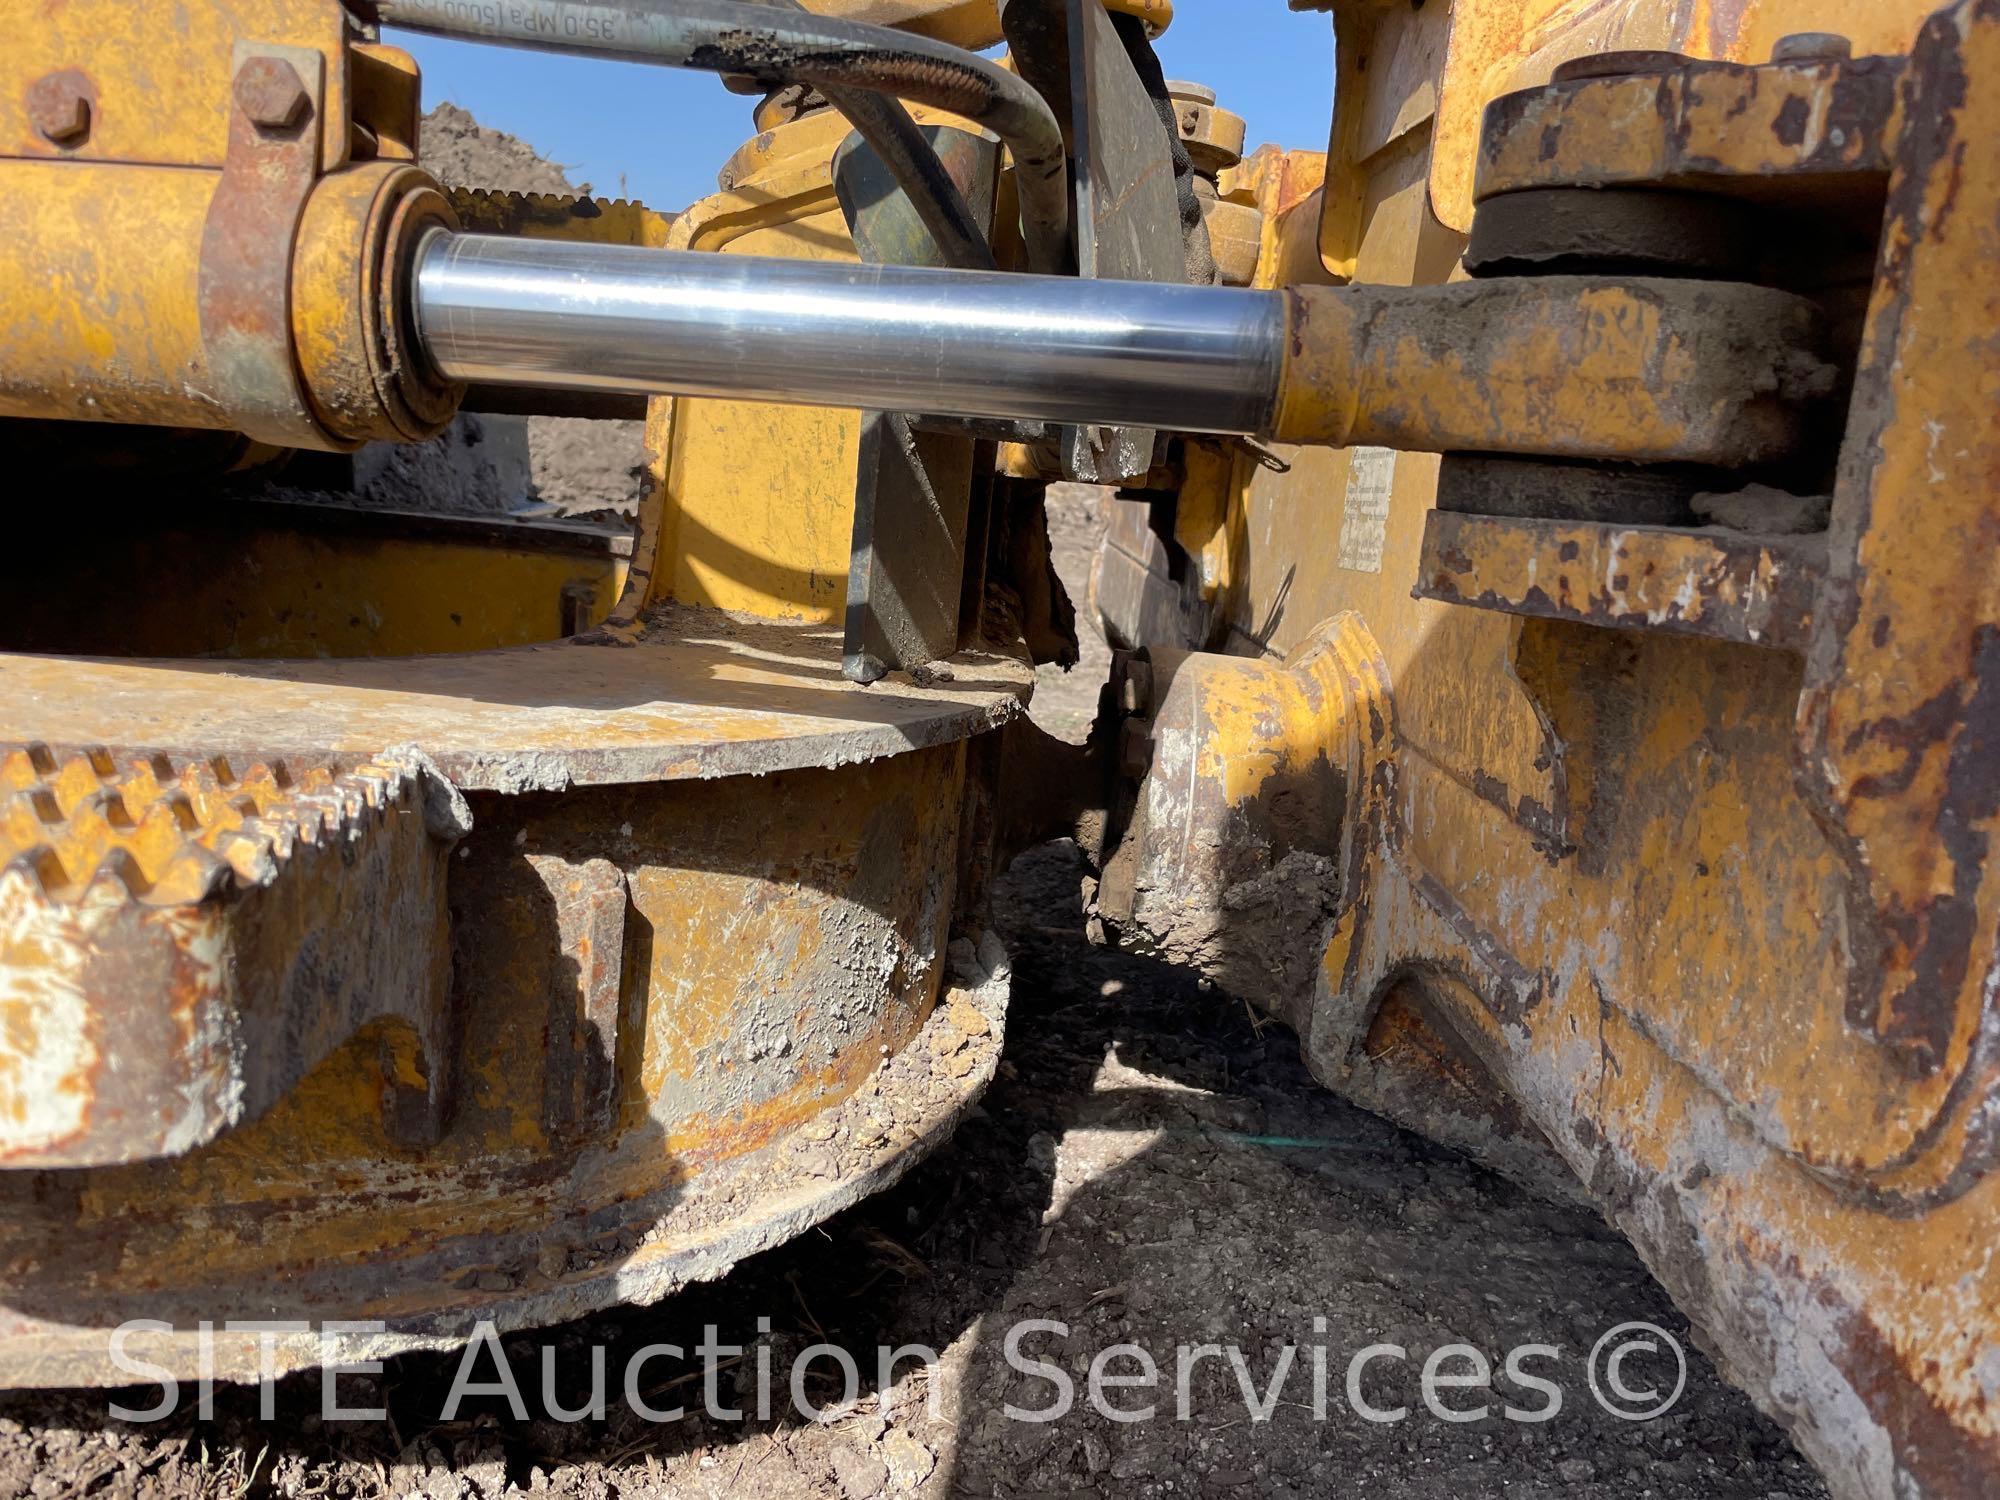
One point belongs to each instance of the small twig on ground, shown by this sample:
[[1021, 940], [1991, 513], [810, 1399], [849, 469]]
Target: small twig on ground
[[798, 1293], [1257, 1022]]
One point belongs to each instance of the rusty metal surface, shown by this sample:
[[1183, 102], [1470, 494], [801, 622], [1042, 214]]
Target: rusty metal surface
[[1502, 47], [1214, 136], [348, 293], [700, 695], [182, 942], [1641, 370], [244, 295], [693, 1019], [1723, 585], [597, 221], [1742, 131], [1253, 777], [1898, 723], [1707, 925], [1481, 485], [61, 106], [170, 269], [682, 990], [96, 256], [1641, 232], [160, 87]]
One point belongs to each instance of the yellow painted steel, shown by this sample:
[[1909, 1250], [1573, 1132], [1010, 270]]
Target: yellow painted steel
[[1598, 856], [595, 221], [1592, 851], [1472, 693], [349, 273], [679, 1154], [964, 23], [758, 500], [259, 582], [1417, 129], [1157, 14], [1497, 48], [1651, 371], [1216, 473], [159, 77], [147, 275], [100, 270]]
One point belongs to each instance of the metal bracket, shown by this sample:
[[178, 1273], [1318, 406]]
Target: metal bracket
[[1128, 225], [247, 241], [906, 574]]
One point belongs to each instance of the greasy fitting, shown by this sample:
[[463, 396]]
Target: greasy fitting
[[351, 321]]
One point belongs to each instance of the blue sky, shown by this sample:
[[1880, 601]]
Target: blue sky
[[660, 135]]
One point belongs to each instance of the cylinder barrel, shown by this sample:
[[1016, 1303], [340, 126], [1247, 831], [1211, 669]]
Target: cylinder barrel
[[503, 311]]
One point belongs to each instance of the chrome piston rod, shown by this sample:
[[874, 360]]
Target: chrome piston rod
[[495, 310]]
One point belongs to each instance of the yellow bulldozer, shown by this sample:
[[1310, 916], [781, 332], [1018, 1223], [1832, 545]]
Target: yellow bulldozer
[[1554, 571]]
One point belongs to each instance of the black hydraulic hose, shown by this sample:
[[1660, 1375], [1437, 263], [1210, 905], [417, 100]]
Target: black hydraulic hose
[[881, 121], [728, 36], [906, 151]]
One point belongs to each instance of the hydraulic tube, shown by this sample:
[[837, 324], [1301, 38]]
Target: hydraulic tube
[[1642, 371], [501, 311]]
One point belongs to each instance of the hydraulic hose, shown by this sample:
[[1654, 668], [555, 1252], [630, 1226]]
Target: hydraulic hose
[[883, 122], [727, 36], [904, 149]]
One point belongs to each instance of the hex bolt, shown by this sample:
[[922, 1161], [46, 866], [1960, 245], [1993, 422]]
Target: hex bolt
[[59, 108], [1618, 65], [1812, 47], [1135, 748], [1209, 131], [272, 94]]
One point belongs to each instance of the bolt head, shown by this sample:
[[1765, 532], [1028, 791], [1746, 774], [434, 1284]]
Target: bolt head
[[59, 108], [1812, 47], [271, 93]]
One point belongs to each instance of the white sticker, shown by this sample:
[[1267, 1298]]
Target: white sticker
[[1364, 524]]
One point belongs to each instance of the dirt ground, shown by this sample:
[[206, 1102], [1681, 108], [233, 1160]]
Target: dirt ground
[[1152, 1167]]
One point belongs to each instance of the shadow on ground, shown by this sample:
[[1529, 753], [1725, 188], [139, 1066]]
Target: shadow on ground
[[1152, 1168]]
